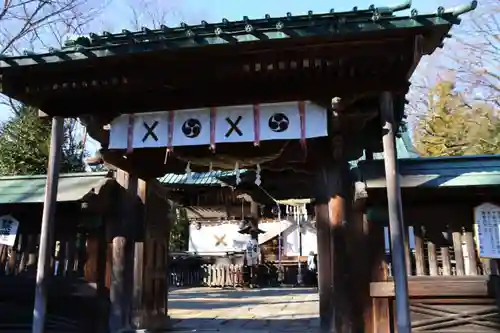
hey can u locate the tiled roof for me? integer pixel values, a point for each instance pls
(356, 21)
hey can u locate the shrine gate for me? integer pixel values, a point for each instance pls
(293, 98)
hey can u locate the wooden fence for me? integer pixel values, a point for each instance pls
(18, 265)
(451, 289)
(446, 253)
(68, 256)
(212, 275)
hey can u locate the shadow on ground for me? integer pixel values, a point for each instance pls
(183, 293)
(260, 310)
(306, 325)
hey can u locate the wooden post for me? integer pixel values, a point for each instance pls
(379, 272)
(327, 322)
(470, 251)
(150, 287)
(361, 261)
(456, 235)
(120, 293)
(396, 223)
(419, 250)
(445, 259)
(432, 257)
(11, 263)
(139, 265)
(46, 234)
(408, 255)
(333, 279)
(255, 214)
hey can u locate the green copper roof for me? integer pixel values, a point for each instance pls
(331, 24)
(404, 149)
(31, 189)
(434, 172)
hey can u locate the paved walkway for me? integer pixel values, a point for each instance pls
(242, 311)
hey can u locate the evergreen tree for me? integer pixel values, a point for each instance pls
(25, 145)
(454, 128)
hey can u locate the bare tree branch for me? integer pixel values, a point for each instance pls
(40, 24)
(475, 53)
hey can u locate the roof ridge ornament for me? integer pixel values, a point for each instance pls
(391, 9)
(461, 9)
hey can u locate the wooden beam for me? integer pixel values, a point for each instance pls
(158, 98)
(215, 64)
(438, 286)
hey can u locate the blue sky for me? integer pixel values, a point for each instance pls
(119, 14)
(232, 10)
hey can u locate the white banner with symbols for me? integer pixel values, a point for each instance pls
(8, 230)
(209, 126)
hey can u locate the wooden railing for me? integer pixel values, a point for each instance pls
(68, 256)
(446, 253)
(450, 287)
(67, 290)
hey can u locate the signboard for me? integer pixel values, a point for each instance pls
(487, 219)
(8, 230)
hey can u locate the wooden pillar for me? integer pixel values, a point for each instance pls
(150, 291)
(122, 254)
(47, 230)
(360, 257)
(396, 223)
(333, 281)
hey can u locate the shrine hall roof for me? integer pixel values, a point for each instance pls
(367, 22)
